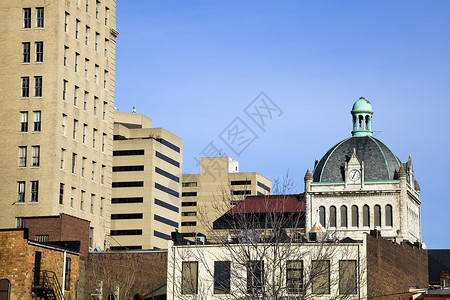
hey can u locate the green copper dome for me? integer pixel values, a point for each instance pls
(362, 118)
(362, 106)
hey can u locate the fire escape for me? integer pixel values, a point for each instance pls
(47, 286)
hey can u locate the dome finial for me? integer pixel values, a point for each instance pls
(362, 118)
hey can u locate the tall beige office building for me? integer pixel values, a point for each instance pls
(57, 94)
(147, 166)
(219, 186)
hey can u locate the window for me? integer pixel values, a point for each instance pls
(167, 159)
(27, 18)
(322, 216)
(366, 216)
(95, 105)
(35, 156)
(91, 234)
(167, 174)
(86, 95)
(61, 193)
(74, 163)
(343, 216)
(25, 87)
(22, 156)
(67, 274)
(105, 105)
(78, 3)
(84, 133)
(106, 15)
(64, 90)
(189, 184)
(26, 52)
(377, 216)
(34, 191)
(75, 95)
(39, 51)
(255, 273)
(97, 6)
(133, 168)
(82, 200)
(66, 49)
(94, 165)
(294, 276)
(320, 273)
(190, 223)
(355, 216)
(19, 223)
(75, 126)
(94, 138)
(87, 6)
(83, 167)
(21, 191)
(189, 277)
(106, 47)
(92, 203)
(63, 155)
(126, 232)
(388, 215)
(77, 29)
(134, 216)
(347, 277)
(86, 40)
(333, 216)
(63, 124)
(247, 192)
(23, 121)
(86, 67)
(103, 142)
(167, 190)
(189, 194)
(36, 121)
(39, 17)
(101, 206)
(77, 56)
(72, 197)
(102, 175)
(97, 35)
(125, 184)
(189, 204)
(189, 214)
(105, 79)
(222, 272)
(241, 182)
(66, 22)
(37, 86)
(128, 152)
(127, 200)
(96, 74)
(41, 238)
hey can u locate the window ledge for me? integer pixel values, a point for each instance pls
(19, 203)
(33, 202)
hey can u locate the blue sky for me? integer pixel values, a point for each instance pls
(194, 67)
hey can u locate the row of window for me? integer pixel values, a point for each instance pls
(189, 184)
(167, 159)
(241, 182)
(35, 156)
(167, 190)
(331, 221)
(294, 277)
(36, 121)
(87, 38)
(84, 133)
(25, 86)
(34, 191)
(74, 166)
(86, 68)
(39, 17)
(82, 200)
(39, 52)
(263, 186)
(76, 95)
(97, 10)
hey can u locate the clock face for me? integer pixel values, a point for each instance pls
(354, 175)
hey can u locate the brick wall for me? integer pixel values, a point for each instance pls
(393, 268)
(17, 257)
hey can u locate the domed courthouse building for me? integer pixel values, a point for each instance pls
(360, 184)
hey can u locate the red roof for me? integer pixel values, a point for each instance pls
(272, 203)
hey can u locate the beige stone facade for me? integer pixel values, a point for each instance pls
(57, 68)
(218, 187)
(146, 183)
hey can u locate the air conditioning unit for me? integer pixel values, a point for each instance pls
(200, 240)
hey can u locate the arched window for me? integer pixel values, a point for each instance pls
(343, 216)
(377, 215)
(333, 216)
(388, 215)
(355, 216)
(366, 216)
(322, 215)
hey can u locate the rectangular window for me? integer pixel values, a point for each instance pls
(102, 175)
(21, 191)
(77, 29)
(167, 174)
(86, 68)
(347, 277)
(94, 165)
(106, 15)
(37, 86)
(83, 167)
(86, 40)
(127, 200)
(63, 155)
(167, 159)
(97, 6)
(189, 277)
(25, 87)
(294, 276)
(166, 221)
(189, 204)
(127, 232)
(128, 152)
(35, 156)
(189, 214)
(19, 223)
(23, 121)
(39, 51)
(22, 156)
(75, 95)
(64, 90)
(66, 50)
(86, 95)
(27, 18)
(91, 234)
(103, 142)
(241, 182)
(94, 138)
(36, 121)
(189, 184)
(61, 193)
(34, 191)
(63, 124)
(126, 216)
(97, 36)
(82, 200)
(66, 22)
(87, 6)
(126, 184)
(105, 79)
(84, 133)
(167, 190)
(75, 126)
(39, 17)
(67, 274)
(41, 238)
(128, 168)
(74, 163)
(157, 202)
(96, 74)
(222, 273)
(95, 105)
(105, 105)
(26, 52)
(189, 194)
(255, 273)
(320, 273)
(92, 203)
(106, 47)
(77, 56)
(101, 206)
(72, 197)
